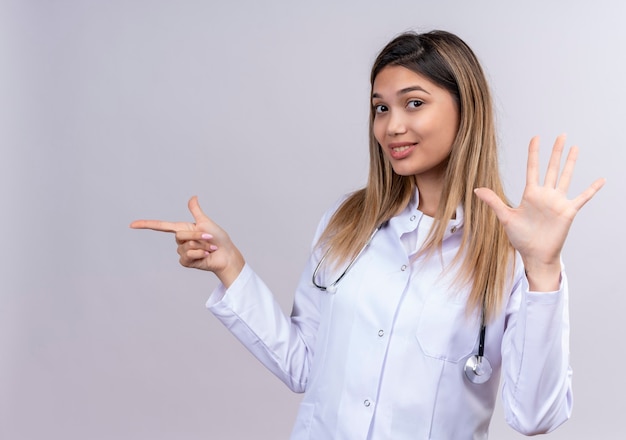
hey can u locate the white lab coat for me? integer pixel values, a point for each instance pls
(383, 357)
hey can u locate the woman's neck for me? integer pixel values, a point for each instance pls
(429, 194)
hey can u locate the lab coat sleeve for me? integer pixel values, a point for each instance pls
(536, 389)
(285, 345)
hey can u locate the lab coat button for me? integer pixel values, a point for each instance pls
(413, 218)
(403, 268)
(381, 333)
(367, 403)
(453, 230)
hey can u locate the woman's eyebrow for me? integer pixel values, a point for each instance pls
(412, 89)
(404, 91)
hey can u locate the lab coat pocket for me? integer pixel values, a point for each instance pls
(445, 331)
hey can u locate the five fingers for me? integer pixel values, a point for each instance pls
(552, 179)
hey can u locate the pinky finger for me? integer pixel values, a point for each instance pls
(588, 194)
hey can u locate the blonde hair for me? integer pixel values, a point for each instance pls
(485, 251)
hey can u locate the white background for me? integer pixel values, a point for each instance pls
(116, 110)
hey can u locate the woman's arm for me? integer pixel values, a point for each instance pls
(535, 346)
(536, 376)
(244, 304)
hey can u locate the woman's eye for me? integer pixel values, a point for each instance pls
(380, 108)
(415, 103)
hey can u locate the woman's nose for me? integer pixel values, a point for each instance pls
(397, 124)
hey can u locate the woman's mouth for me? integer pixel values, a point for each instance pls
(401, 150)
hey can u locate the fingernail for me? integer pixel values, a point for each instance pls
(207, 236)
(213, 247)
(206, 253)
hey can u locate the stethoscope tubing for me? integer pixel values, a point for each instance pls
(332, 287)
(477, 367)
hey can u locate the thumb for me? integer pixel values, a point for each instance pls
(493, 201)
(198, 215)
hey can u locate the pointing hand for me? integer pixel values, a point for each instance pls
(202, 244)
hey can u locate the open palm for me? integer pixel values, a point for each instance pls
(538, 227)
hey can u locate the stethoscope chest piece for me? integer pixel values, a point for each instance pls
(478, 369)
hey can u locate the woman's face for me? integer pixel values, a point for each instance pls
(415, 122)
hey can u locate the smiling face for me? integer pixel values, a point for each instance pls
(415, 123)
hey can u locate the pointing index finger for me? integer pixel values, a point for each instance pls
(158, 225)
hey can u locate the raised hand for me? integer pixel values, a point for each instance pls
(538, 227)
(202, 244)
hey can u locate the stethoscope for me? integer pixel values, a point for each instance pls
(477, 367)
(332, 287)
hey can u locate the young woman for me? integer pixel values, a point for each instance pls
(424, 288)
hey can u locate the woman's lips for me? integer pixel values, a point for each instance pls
(400, 150)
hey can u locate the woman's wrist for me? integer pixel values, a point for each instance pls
(543, 277)
(229, 274)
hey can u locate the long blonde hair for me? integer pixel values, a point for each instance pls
(485, 252)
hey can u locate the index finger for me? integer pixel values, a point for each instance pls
(158, 225)
(532, 165)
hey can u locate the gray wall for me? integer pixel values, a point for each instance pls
(117, 110)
